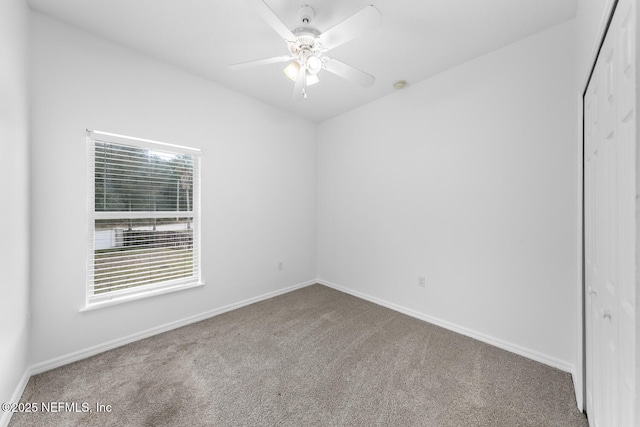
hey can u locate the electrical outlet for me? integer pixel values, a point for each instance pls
(281, 265)
(422, 281)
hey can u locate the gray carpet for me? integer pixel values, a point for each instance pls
(311, 357)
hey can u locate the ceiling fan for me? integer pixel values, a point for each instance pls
(307, 46)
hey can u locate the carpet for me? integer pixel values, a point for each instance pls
(311, 357)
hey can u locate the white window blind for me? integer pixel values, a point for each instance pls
(144, 217)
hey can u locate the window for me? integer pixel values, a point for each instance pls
(144, 218)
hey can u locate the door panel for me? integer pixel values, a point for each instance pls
(610, 194)
(626, 112)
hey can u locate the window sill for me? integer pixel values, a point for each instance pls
(143, 295)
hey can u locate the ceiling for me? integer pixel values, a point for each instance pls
(417, 39)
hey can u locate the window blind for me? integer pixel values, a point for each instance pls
(144, 216)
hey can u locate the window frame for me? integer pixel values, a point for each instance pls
(92, 300)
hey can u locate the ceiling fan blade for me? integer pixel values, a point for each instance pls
(347, 72)
(259, 62)
(352, 27)
(272, 19)
(299, 89)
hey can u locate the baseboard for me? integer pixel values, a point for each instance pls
(92, 351)
(505, 345)
(578, 391)
(15, 398)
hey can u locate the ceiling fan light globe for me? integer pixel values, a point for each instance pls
(292, 70)
(314, 64)
(311, 79)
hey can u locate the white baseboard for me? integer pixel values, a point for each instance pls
(577, 387)
(15, 398)
(505, 345)
(92, 351)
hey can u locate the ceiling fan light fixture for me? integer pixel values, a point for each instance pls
(292, 70)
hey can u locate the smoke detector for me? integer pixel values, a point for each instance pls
(399, 84)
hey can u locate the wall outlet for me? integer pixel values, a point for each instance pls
(422, 281)
(281, 265)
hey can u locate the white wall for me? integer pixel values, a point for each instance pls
(14, 181)
(469, 179)
(258, 192)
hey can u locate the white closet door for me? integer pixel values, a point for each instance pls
(610, 227)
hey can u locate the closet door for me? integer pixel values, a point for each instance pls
(610, 227)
